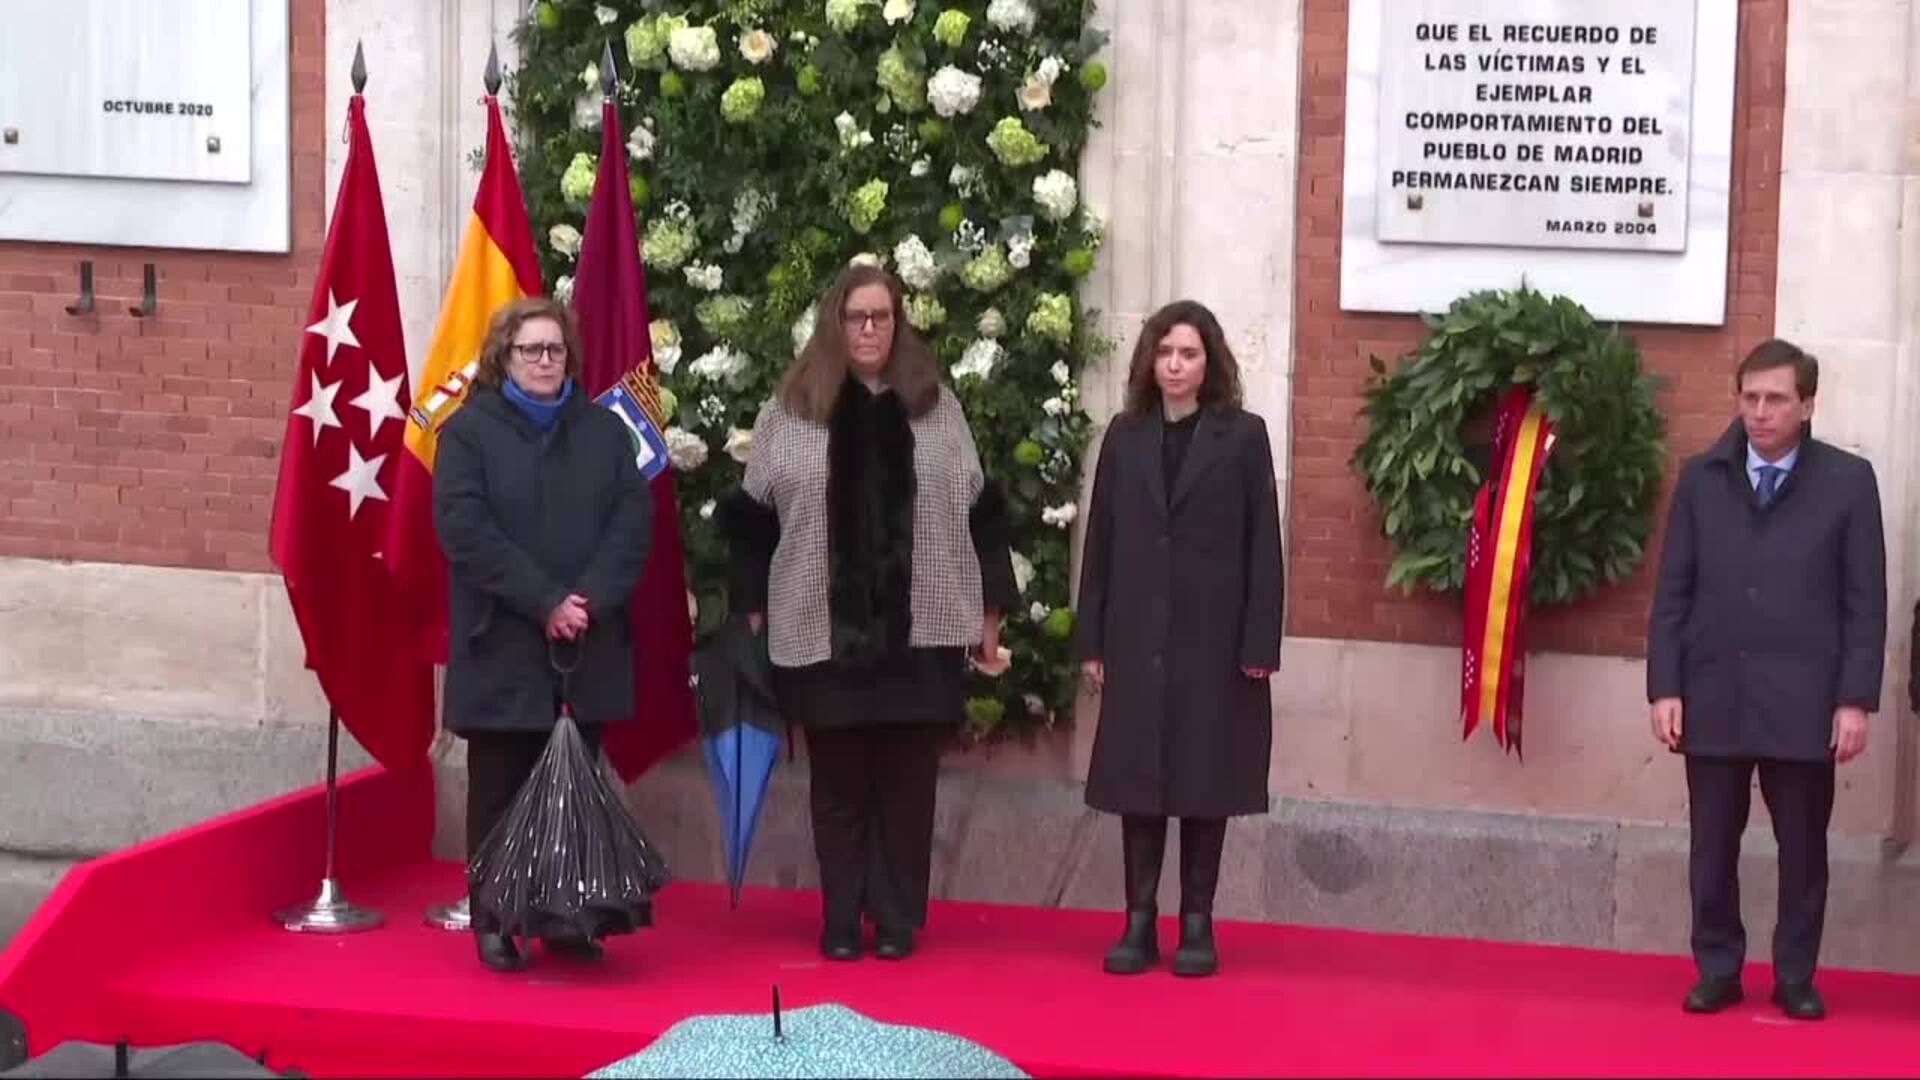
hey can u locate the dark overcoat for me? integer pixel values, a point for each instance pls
(1179, 591)
(1767, 619)
(527, 517)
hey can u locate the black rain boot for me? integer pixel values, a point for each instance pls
(1201, 842)
(1143, 843)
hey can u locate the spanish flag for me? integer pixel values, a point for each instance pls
(497, 266)
(1500, 571)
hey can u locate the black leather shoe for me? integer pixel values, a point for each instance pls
(577, 948)
(888, 945)
(1138, 949)
(1196, 955)
(1800, 1001)
(1714, 994)
(840, 946)
(498, 953)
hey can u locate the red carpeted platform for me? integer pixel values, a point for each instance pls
(409, 1000)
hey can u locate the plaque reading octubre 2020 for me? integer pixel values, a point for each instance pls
(1536, 123)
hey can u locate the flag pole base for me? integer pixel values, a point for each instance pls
(329, 913)
(457, 916)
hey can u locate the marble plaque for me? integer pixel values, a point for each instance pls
(127, 88)
(1382, 269)
(1555, 124)
(147, 123)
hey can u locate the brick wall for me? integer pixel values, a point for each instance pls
(156, 440)
(1339, 560)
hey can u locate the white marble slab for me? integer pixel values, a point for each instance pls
(254, 216)
(1689, 287)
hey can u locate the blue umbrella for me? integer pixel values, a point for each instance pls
(820, 1041)
(739, 735)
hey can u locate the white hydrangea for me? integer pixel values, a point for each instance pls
(694, 48)
(1051, 69)
(868, 258)
(1039, 612)
(915, 262)
(564, 239)
(979, 359)
(687, 450)
(1011, 15)
(590, 76)
(920, 167)
(640, 140)
(563, 289)
(586, 111)
(605, 15)
(803, 330)
(706, 510)
(897, 11)
(1022, 571)
(953, 92)
(750, 208)
(1060, 516)
(720, 364)
(964, 180)
(852, 135)
(1053, 406)
(991, 323)
(666, 344)
(1060, 373)
(1057, 194)
(739, 445)
(704, 276)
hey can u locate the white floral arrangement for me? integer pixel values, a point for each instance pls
(772, 143)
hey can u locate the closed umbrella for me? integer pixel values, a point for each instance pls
(739, 736)
(567, 860)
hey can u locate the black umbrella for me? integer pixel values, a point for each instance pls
(197, 1059)
(567, 860)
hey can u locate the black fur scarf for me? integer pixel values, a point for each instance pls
(870, 496)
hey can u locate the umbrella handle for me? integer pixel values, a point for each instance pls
(565, 670)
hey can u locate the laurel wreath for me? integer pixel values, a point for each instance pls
(1428, 448)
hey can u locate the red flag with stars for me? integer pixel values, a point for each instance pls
(345, 436)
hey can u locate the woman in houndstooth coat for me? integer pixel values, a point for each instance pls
(873, 552)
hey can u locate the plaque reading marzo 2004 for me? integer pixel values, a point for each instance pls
(1536, 123)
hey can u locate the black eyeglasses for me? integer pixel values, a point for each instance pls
(860, 320)
(535, 351)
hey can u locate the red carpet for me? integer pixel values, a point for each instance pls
(409, 1000)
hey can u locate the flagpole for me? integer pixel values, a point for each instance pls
(457, 916)
(330, 912)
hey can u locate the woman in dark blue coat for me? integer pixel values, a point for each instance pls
(539, 505)
(1180, 622)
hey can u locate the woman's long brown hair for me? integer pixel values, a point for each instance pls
(1222, 383)
(813, 382)
(507, 323)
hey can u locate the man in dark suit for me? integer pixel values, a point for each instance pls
(1766, 645)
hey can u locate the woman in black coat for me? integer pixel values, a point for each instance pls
(545, 522)
(1180, 601)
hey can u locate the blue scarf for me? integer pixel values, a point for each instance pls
(544, 414)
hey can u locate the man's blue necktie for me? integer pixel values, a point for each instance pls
(1770, 483)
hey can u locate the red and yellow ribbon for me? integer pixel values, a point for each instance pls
(1499, 565)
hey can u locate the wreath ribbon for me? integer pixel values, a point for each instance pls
(1499, 564)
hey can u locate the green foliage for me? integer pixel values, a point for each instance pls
(1423, 463)
(808, 143)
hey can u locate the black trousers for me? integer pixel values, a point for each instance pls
(872, 794)
(1799, 798)
(498, 764)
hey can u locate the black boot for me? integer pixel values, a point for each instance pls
(1201, 842)
(1143, 842)
(498, 953)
